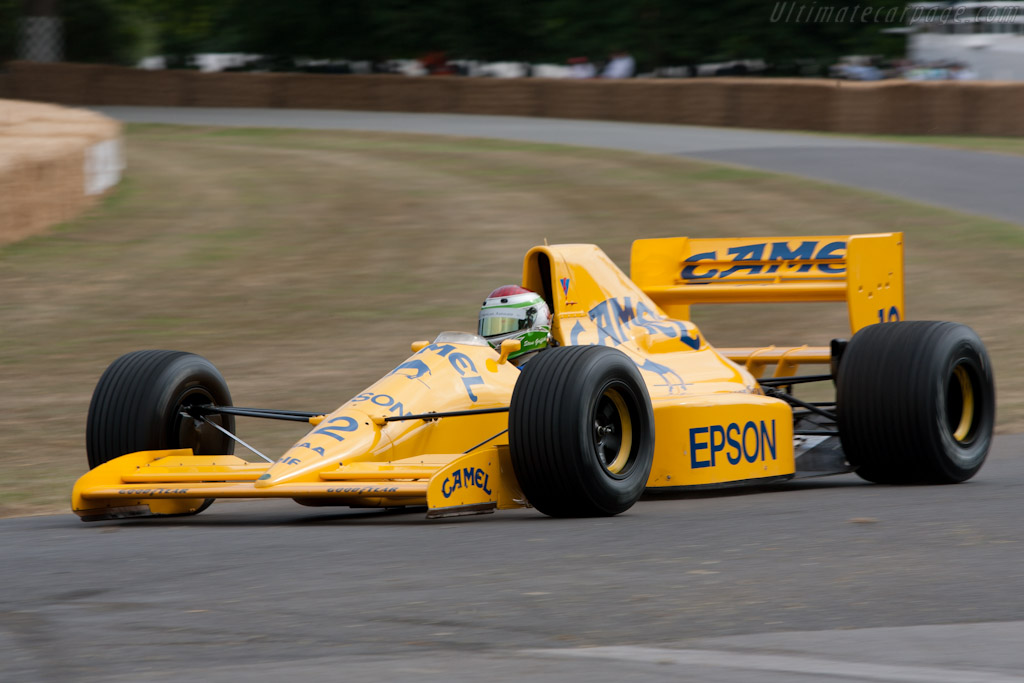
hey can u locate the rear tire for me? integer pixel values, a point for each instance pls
(915, 402)
(581, 432)
(137, 405)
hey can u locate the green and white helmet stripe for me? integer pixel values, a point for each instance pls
(512, 312)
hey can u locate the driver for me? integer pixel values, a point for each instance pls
(512, 312)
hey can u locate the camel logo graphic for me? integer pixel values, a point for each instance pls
(670, 377)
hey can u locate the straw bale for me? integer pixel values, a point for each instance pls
(572, 99)
(648, 101)
(945, 108)
(43, 150)
(901, 108)
(237, 90)
(329, 91)
(61, 83)
(780, 104)
(127, 86)
(791, 104)
(429, 94)
(55, 130)
(996, 108)
(857, 108)
(506, 96)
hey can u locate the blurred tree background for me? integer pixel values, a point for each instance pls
(656, 32)
(10, 10)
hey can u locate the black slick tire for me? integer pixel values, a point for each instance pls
(581, 432)
(915, 403)
(137, 405)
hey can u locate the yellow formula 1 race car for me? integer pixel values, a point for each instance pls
(630, 398)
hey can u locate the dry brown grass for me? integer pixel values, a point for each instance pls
(303, 263)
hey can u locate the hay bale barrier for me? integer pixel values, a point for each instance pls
(54, 162)
(812, 104)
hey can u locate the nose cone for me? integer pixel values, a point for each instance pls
(343, 434)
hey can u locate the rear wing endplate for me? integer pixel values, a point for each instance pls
(865, 271)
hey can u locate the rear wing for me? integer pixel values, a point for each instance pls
(865, 271)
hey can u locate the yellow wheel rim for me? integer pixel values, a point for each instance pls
(963, 429)
(620, 457)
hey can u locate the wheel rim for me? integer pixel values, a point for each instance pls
(613, 432)
(193, 433)
(960, 404)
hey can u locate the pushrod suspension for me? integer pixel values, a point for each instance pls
(793, 400)
(786, 381)
(264, 413)
(451, 413)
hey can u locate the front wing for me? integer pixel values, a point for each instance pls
(176, 482)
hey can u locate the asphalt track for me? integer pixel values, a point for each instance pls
(821, 580)
(827, 580)
(974, 182)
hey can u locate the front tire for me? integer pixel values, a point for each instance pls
(581, 432)
(137, 406)
(915, 402)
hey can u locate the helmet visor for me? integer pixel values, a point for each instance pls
(491, 326)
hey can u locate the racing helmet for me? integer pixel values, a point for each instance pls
(512, 312)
